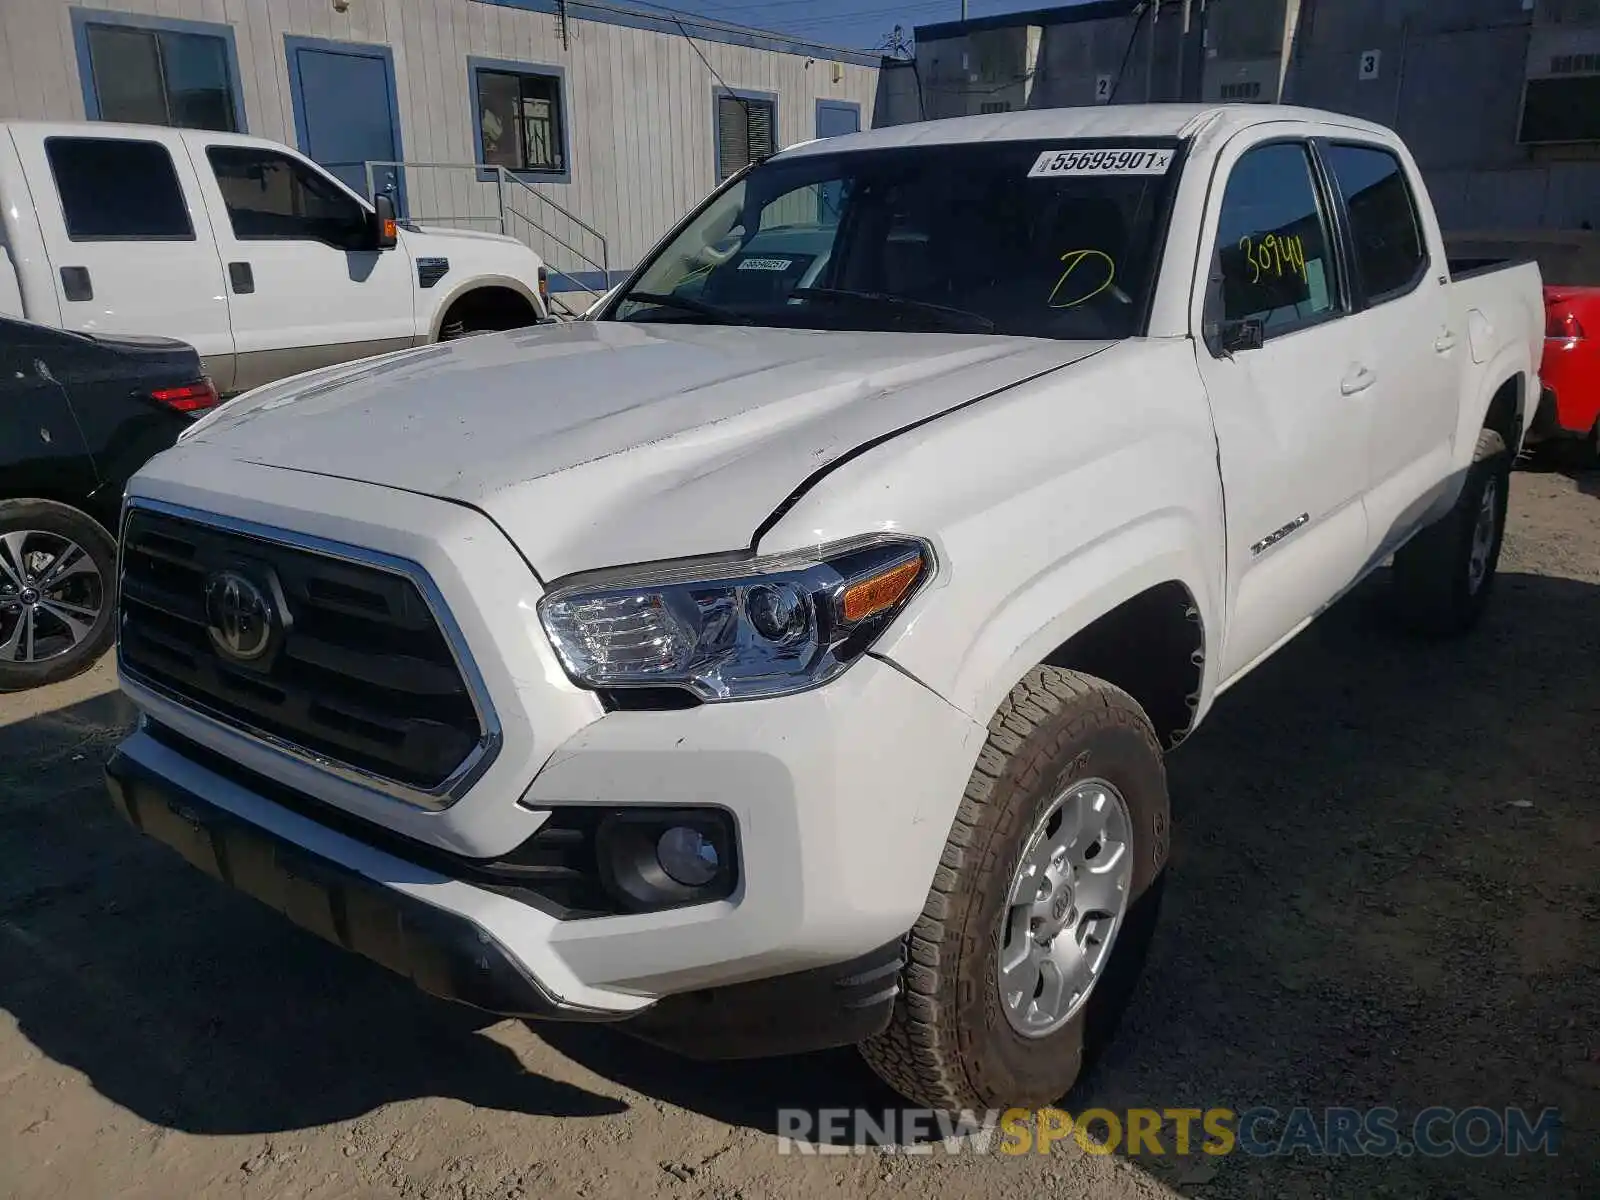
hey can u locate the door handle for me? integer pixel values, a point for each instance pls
(1359, 380)
(1446, 342)
(76, 284)
(242, 278)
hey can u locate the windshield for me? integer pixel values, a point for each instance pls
(1041, 239)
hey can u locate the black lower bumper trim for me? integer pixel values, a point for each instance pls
(442, 953)
(836, 1005)
(452, 957)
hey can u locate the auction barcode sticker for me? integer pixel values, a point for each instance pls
(1101, 162)
(766, 264)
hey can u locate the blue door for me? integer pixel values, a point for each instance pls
(345, 110)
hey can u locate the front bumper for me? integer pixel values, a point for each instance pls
(454, 957)
(842, 796)
(444, 953)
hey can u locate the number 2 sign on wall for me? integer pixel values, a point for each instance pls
(1369, 64)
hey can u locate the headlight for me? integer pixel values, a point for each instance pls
(730, 630)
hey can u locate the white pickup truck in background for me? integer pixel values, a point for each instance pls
(256, 256)
(793, 665)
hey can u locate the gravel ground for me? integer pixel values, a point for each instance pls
(1385, 891)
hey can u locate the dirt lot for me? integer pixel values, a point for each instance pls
(1386, 891)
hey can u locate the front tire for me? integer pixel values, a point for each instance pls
(1444, 575)
(57, 581)
(1042, 907)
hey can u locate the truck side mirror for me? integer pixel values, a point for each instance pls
(385, 232)
(1248, 334)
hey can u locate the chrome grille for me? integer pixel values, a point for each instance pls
(356, 673)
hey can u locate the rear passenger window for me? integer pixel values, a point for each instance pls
(1273, 261)
(112, 189)
(1383, 219)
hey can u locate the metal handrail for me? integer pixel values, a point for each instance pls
(504, 175)
(571, 249)
(571, 216)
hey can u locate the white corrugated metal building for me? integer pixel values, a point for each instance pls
(609, 122)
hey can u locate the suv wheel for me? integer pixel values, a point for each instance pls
(1443, 576)
(1043, 905)
(57, 572)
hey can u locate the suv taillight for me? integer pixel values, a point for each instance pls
(1563, 326)
(190, 398)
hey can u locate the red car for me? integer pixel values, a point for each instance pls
(1570, 405)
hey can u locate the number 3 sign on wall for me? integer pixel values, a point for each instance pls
(1369, 64)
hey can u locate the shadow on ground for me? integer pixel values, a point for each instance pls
(1575, 460)
(194, 1007)
(1385, 891)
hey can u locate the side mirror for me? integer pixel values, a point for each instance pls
(1249, 334)
(385, 232)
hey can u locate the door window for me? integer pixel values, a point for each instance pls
(1384, 226)
(1274, 259)
(113, 189)
(271, 196)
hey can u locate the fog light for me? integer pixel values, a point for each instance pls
(688, 856)
(652, 858)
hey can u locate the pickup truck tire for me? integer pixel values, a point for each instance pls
(57, 583)
(1444, 575)
(951, 1042)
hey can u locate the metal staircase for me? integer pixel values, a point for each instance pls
(483, 196)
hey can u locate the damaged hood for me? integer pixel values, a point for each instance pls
(596, 444)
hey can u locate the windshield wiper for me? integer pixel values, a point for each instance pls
(698, 307)
(958, 317)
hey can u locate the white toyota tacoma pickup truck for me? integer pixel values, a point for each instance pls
(263, 261)
(784, 656)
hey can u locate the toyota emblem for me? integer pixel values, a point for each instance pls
(238, 616)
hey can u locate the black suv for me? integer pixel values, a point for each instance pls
(79, 414)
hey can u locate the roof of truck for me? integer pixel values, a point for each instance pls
(124, 129)
(1100, 121)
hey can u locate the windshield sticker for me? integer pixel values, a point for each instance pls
(1088, 273)
(1054, 163)
(766, 264)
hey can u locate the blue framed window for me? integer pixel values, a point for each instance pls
(746, 128)
(519, 117)
(158, 71)
(836, 117)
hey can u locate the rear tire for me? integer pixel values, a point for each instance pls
(57, 592)
(1443, 577)
(958, 1037)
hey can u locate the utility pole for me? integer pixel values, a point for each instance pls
(963, 10)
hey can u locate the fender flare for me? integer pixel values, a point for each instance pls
(1510, 365)
(475, 283)
(1073, 593)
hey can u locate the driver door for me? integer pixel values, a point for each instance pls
(301, 292)
(1287, 374)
